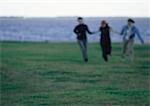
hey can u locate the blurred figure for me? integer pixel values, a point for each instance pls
(80, 30)
(129, 31)
(105, 40)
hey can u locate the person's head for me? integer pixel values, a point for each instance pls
(130, 22)
(80, 20)
(103, 23)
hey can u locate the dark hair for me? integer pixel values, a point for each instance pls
(103, 22)
(80, 18)
(131, 20)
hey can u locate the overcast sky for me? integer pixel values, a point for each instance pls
(52, 8)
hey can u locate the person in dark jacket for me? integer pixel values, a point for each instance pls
(80, 30)
(105, 41)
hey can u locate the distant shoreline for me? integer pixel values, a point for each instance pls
(22, 17)
(60, 29)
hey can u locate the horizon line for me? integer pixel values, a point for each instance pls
(13, 16)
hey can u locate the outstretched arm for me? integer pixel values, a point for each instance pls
(122, 31)
(87, 29)
(97, 31)
(139, 36)
(114, 31)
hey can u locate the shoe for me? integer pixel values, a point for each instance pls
(85, 60)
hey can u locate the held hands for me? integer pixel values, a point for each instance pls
(114, 31)
(95, 32)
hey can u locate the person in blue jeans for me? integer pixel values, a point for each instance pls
(129, 31)
(80, 30)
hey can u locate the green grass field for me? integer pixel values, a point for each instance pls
(53, 74)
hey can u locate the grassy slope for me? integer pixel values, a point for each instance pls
(49, 74)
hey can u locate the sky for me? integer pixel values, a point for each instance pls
(86, 8)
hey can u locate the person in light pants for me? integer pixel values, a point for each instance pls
(129, 31)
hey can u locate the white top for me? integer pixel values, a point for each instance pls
(128, 33)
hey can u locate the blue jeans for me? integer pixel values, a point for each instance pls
(83, 47)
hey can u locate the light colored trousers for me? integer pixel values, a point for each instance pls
(83, 47)
(128, 48)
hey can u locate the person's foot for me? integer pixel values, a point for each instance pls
(85, 60)
(106, 60)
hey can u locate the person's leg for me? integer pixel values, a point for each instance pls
(130, 49)
(104, 52)
(105, 57)
(83, 50)
(109, 48)
(125, 44)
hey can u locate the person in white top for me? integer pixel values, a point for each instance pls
(129, 31)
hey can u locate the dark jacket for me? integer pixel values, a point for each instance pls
(81, 30)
